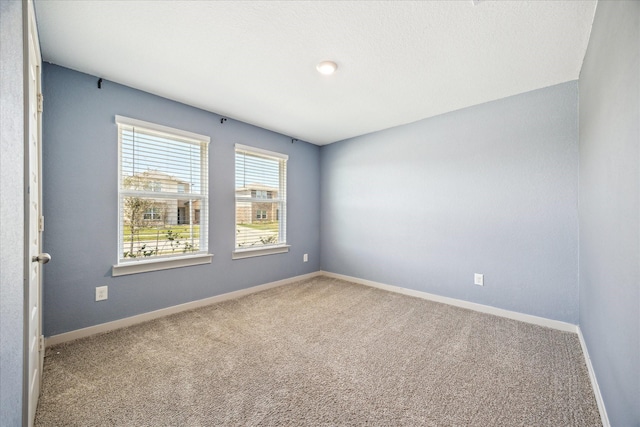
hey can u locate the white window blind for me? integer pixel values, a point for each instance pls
(261, 198)
(162, 192)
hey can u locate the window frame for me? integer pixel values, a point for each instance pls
(281, 202)
(126, 266)
(154, 213)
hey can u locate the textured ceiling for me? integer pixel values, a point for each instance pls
(398, 61)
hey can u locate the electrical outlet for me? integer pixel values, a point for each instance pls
(305, 257)
(102, 293)
(478, 279)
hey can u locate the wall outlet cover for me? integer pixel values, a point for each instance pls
(102, 293)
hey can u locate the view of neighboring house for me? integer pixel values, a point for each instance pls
(176, 211)
(252, 211)
(163, 210)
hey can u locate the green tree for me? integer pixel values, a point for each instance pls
(134, 210)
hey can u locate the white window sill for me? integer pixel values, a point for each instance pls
(146, 265)
(253, 252)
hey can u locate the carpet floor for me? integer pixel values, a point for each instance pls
(320, 352)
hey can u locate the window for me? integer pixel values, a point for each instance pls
(153, 214)
(261, 202)
(160, 224)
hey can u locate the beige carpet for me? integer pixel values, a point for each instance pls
(321, 352)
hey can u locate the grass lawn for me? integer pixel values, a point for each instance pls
(150, 233)
(264, 226)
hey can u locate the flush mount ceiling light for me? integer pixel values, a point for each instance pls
(327, 67)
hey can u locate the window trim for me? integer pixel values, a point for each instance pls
(242, 253)
(145, 265)
(242, 147)
(141, 265)
(194, 137)
(253, 252)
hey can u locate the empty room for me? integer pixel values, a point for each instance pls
(265, 213)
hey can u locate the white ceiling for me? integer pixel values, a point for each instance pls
(254, 61)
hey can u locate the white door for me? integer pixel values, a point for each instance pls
(35, 221)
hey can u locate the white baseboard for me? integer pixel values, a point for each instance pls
(528, 318)
(128, 321)
(594, 381)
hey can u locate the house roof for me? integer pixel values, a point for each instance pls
(258, 187)
(156, 174)
(255, 61)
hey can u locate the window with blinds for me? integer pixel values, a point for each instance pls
(162, 192)
(261, 202)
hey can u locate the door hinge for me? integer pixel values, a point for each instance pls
(40, 103)
(41, 223)
(41, 343)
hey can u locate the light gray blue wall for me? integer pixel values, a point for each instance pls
(490, 189)
(11, 212)
(80, 204)
(609, 207)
